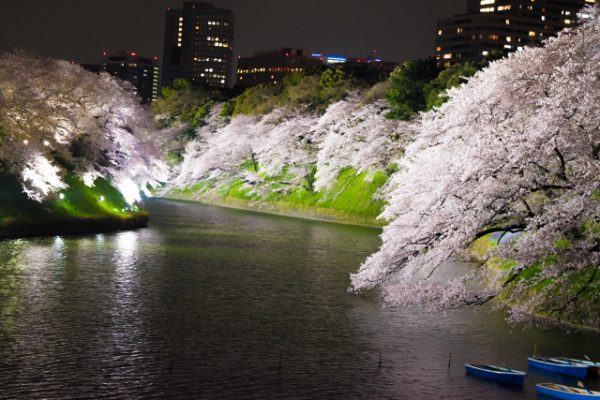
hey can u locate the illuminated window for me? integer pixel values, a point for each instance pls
(532, 34)
(440, 32)
(486, 9)
(447, 56)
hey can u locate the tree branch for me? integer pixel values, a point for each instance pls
(563, 166)
(510, 228)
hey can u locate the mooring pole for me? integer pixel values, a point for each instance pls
(279, 366)
(449, 359)
(379, 363)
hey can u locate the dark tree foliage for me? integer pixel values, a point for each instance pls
(420, 86)
(183, 102)
(406, 95)
(450, 77)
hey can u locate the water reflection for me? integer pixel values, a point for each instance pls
(126, 254)
(213, 303)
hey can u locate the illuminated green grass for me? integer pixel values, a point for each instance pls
(349, 199)
(76, 209)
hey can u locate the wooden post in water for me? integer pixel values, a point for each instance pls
(449, 359)
(534, 349)
(379, 363)
(279, 366)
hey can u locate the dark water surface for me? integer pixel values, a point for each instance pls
(215, 303)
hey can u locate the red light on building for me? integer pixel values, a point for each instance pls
(133, 54)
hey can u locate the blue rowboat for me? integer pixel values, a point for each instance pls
(592, 365)
(566, 392)
(559, 366)
(499, 374)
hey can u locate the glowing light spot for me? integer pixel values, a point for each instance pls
(129, 190)
(46, 143)
(61, 196)
(101, 198)
(25, 142)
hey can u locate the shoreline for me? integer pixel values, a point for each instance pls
(320, 215)
(65, 226)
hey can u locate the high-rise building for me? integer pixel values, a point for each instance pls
(142, 72)
(199, 45)
(501, 26)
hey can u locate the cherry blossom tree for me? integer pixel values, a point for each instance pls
(57, 118)
(515, 150)
(293, 143)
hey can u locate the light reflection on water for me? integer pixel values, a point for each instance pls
(214, 303)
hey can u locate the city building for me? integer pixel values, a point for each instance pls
(142, 72)
(199, 45)
(371, 63)
(272, 66)
(501, 26)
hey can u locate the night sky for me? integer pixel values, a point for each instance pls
(79, 30)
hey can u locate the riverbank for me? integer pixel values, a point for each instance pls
(58, 226)
(497, 270)
(350, 200)
(77, 210)
(315, 214)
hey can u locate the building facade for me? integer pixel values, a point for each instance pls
(199, 45)
(270, 67)
(273, 66)
(142, 72)
(501, 26)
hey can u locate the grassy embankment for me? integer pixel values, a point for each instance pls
(349, 200)
(80, 210)
(584, 285)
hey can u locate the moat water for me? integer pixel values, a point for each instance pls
(212, 303)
